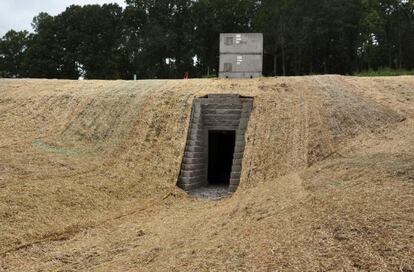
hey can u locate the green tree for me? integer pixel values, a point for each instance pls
(274, 19)
(161, 33)
(80, 41)
(13, 46)
(46, 52)
(372, 28)
(94, 38)
(310, 36)
(132, 43)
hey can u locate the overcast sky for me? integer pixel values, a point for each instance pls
(18, 14)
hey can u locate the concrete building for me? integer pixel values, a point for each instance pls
(241, 55)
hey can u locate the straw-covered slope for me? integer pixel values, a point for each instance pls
(88, 172)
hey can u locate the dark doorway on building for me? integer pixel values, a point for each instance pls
(220, 156)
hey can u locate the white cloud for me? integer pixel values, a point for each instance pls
(18, 14)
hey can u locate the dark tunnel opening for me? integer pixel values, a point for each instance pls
(220, 156)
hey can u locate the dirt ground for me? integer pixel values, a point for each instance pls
(88, 172)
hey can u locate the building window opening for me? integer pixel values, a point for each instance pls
(229, 41)
(228, 67)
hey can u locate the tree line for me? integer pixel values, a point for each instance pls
(167, 38)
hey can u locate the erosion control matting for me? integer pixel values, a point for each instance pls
(88, 173)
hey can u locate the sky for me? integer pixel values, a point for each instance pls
(18, 14)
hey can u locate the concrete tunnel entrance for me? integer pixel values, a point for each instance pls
(213, 155)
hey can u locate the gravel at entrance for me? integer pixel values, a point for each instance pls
(211, 192)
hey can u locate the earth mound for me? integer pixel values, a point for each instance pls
(88, 173)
